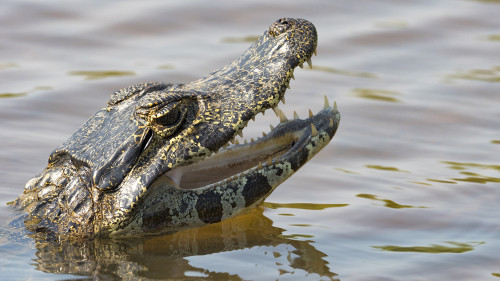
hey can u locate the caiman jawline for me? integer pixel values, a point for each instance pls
(233, 160)
(236, 160)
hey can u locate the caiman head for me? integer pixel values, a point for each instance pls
(161, 157)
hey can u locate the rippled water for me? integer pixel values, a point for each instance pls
(407, 190)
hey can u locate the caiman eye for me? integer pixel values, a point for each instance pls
(168, 119)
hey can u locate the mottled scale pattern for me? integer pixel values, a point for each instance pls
(123, 172)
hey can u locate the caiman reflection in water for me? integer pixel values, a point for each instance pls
(166, 256)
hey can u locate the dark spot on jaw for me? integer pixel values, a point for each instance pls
(209, 208)
(256, 187)
(155, 221)
(279, 171)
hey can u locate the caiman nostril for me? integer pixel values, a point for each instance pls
(279, 27)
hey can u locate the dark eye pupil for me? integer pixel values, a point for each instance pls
(170, 118)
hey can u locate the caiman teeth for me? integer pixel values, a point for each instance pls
(276, 109)
(309, 62)
(282, 116)
(327, 104)
(271, 160)
(314, 131)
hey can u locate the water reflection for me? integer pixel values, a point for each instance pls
(442, 181)
(93, 75)
(473, 176)
(385, 168)
(166, 66)
(5, 65)
(246, 39)
(303, 206)
(12, 95)
(391, 24)
(22, 94)
(494, 37)
(387, 203)
(486, 75)
(344, 72)
(489, 1)
(376, 94)
(168, 256)
(452, 247)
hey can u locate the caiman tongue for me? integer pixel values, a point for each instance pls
(109, 151)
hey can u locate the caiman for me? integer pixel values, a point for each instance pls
(162, 156)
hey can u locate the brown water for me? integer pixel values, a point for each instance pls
(408, 189)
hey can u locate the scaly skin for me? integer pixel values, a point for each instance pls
(156, 159)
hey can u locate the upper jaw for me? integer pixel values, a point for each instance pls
(216, 85)
(261, 99)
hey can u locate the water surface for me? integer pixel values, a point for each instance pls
(408, 189)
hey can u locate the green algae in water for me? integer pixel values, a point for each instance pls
(377, 94)
(452, 247)
(475, 177)
(485, 75)
(12, 95)
(442, 181)
(385, 168)
(388, 203)
(22, 94)
(94, 75)
(6, 65)
(343, 72)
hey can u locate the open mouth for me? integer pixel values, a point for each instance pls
(236, 160)
(280, 144)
